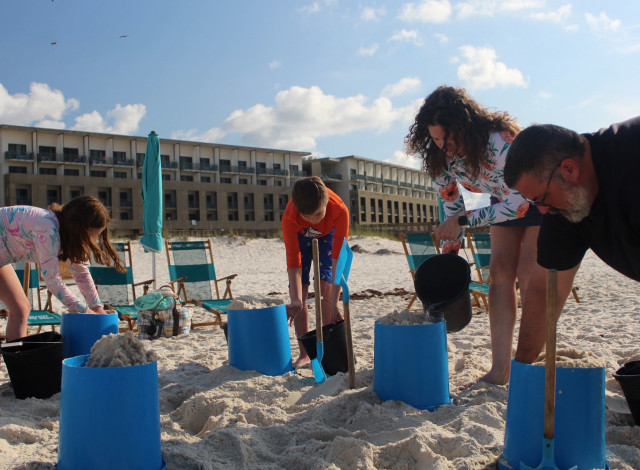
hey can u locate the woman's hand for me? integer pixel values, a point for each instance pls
(448, 230)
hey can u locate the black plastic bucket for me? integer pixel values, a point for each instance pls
(335, 357)
(628, 376)
(442, 284)
(35, 369)
(224, 327)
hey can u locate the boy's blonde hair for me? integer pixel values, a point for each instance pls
(309, 194)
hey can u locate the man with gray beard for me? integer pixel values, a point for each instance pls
(587, 188)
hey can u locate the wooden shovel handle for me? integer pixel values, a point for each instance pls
(550, 363)
(316, 287)
(350, 356)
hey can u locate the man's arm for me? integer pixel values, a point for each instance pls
(532, 325)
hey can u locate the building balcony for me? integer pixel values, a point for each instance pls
(298, 173)
(18, 156)
(332, 176)
(271, 172)
(405, 185)
(126, 203)
(169, 165)
(67, 158)
(100, 161)
(126, 162)
(47, 157)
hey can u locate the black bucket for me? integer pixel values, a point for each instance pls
(442, 284)
(224, 327)
(335, 357)
(35, 369)
(628, 376)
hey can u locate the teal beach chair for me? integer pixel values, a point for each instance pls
(191, 267)
(418, 247)
(30, 279)
(118, 290)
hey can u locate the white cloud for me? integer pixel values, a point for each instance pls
(41, 104)
(120, 120)
(368, 51)
(401, 158)
(480, 69)
(560, 15)
(545, 95)
(602, 23)
(405, 85)
(441, 38)
(274, 64)
(427, 11)
(302, 115)
(405, 35)
(372, 14)
(315, 7)
(493, 7)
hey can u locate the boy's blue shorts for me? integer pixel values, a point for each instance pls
(325, 248)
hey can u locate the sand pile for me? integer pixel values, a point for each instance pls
(120, 350)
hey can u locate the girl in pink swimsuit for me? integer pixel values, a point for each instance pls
(74, 233)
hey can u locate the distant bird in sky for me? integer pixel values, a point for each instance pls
(53, 43)
(123, 36)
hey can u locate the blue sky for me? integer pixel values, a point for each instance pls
(331, 77)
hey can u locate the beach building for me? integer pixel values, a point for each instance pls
(208, 187)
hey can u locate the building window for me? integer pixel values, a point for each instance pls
(17, 150)
(262, 182)
(212, 216)
(194, 215)
(74, 193)
(277, 183)
(71, 172)
(205, 179)
(98, 174)
(186, 178)
(186, 163)
(53, 195)
(243, 181)
(211, 199)
(47, 171)
(23, 197)
(225, 165)
(165, 177)
(119, 174)
(47, 153)
(225, 180)
(17, 169)
(124, 216)
(120, 158)
(97, 156)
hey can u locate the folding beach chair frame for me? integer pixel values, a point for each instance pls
(40, 317)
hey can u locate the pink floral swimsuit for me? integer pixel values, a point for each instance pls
(511, 203)
(31, 234)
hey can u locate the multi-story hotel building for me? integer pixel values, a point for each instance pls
(207, 187)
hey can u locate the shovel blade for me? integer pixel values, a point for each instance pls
(316, 364)
(548, 458)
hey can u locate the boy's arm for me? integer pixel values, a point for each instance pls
(295, 292)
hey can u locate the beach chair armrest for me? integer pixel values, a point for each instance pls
(231, 276)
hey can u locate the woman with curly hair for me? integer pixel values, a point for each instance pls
(74, 233)
(460, 141)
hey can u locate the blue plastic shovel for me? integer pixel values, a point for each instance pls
(316, 363)
(548, 445)
(343, 266)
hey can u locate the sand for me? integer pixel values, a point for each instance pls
(214, 416)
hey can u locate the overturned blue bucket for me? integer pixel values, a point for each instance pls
(259, 340)
(109, 417)
(82, 330)
(410, 364)
(579, 435)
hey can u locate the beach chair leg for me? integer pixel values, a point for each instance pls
(413, 299)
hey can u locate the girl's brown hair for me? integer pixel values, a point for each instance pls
(76, 218)
(464, 120)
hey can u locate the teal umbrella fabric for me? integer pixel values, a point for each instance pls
(152, 196)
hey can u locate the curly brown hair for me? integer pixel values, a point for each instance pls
(76, 218)
(462, 119)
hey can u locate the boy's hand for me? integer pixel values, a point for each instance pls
(293, 309)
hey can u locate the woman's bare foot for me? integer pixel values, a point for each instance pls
(301, 361)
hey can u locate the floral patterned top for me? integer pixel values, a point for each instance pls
(32, 234)
(511, 203)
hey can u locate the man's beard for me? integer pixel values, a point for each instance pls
(578, 204)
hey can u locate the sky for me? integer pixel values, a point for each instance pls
(330, 77)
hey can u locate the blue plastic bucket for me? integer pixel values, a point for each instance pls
(410, 364)
(579, 435)
(109, 417)
(82, 330)
(259, 340)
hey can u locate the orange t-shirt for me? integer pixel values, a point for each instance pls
(337, 216)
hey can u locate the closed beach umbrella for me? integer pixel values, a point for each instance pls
(152, 197)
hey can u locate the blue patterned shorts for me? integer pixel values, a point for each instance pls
(325, 248)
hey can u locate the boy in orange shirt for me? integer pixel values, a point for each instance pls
(314, 211)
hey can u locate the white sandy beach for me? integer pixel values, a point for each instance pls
(214, 416)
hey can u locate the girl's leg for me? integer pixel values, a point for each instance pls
(505, 253)
(12, 295)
